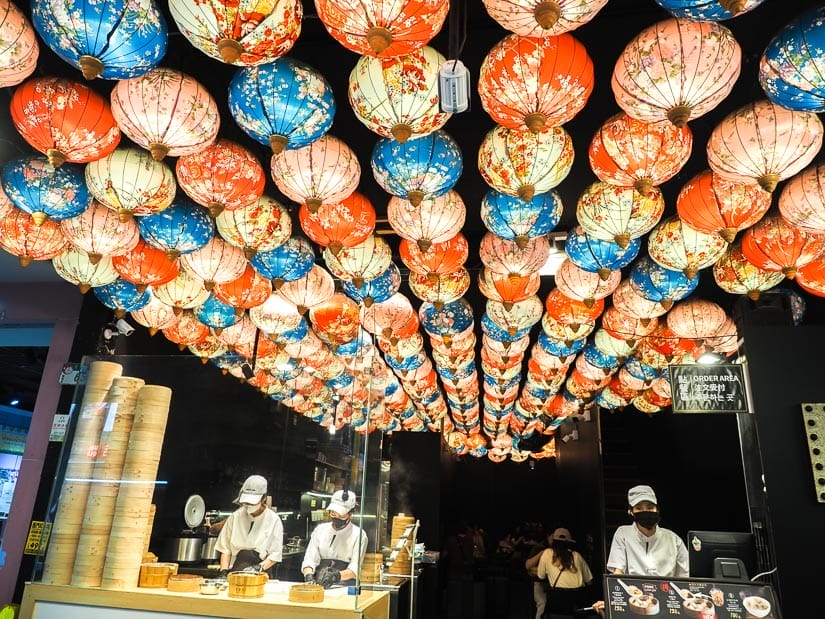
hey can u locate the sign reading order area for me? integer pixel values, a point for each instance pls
(714, 388)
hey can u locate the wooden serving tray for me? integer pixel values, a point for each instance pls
(184, 583)
(306, 593)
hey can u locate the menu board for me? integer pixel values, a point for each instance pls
(632, 596)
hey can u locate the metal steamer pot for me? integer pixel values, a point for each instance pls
(209, 552)
(187, 548)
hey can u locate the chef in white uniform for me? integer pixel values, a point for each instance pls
(336, 548)
(252, 537)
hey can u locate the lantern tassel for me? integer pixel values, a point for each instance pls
(90, 66)
(230, 50)
(56, 157)
(379, 39)
(547, 14)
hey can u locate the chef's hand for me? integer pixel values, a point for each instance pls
(223, 573)
(257, 568)
(329, 578)
(309, 578)
(599, 607)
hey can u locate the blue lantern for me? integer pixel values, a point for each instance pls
(285, 263)
(656, 283)
(342, 381)
(595, 357)
(453, 317)
(122, 296)
(375, 290)
(35, 186)
(704, 10)
(492, 330)
(359, 346)
(283, 104)
(456, 373)
(597, 256)
(228, 360)
(420, 168)
(640, 370)
(559, 348)
(181, 228)
(293, 336)
(791, 69)
(519, 220)
(407, 364)
(216, 314)
(111, 39)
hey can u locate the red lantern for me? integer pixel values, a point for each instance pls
(22, 237)
(249, 290)
(342, 224)
(146, 266)
(64, 120)
(439, 259)
(774, 245)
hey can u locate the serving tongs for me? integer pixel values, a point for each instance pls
(627, 589)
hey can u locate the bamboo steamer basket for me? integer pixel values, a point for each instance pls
(246, 585)
(156, 575)
(402, 564)
(68, 520)
(371, 567)
(184, 583)
(306, 593)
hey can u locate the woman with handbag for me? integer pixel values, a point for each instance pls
(566, 574)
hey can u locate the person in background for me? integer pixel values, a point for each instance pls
(532, 566)
(644, 548)
(336, 548)
(252, 537)
(566, 573)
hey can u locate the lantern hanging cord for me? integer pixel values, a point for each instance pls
(457, 29)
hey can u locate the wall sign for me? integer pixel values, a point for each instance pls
(715, 388)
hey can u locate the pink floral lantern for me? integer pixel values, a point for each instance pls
(166, 112)
(678, 247)
(246, 340)
(187, 330)
(802, 201)
(130, 182)
(224, 175)
(19, 50)
(74, 266)
(626, 327)
(528, 83)
(507, 258)
(389, 318)
(100, 232)
(22, 237)
(775, 245)
(240, 33)
(523, 164)
(155, 316)
(217, 262)
(308, 291)
(585, 286)
(558, 330)
(184, 292)
(261, 225)
(735, 274)
(677, 70)
(377, 28)
(242, 332)
(275, 315)
(532, 18)
(765, 143)
(398, 97)
(696, 319)
(64, 120)
(434, 220)
(441, 289)
(208, 348)
(712, 204)
(626, 151)
(360, 262)
(323, 172)
(629, 302)
(613, 213)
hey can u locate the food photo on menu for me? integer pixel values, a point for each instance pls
(629, 596)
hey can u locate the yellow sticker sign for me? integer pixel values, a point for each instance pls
(38, 537)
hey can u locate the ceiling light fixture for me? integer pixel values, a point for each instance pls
(557, 254)
(709, 357)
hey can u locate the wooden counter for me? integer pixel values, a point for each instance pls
(41, 601)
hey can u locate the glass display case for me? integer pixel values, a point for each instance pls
(177, 475)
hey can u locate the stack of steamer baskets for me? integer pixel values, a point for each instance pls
(403, 558)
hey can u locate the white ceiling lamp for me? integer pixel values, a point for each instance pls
(557, 254)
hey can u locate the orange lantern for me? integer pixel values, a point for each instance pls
(22, 237)
(342, 224)
(439, 259)
(765, 143)
(337, 319)
(377, 28)
(626, 151)
(187, 330)
(249, 290)
(570, 311)
(64, 120)
(146, 266)
(499, 287)
(677, 70)
(775, 245)
(530, 83)
(712, 204)
(224, 175)
(811, 277)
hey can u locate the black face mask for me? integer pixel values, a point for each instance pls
(646, 519)
(339, 523)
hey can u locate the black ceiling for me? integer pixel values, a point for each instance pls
(604, 38)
